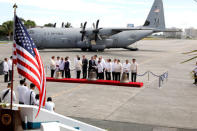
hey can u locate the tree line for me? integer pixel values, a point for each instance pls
(6, 29)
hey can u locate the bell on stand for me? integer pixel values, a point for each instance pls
(58, 75)
(124, 78)
(92, 75)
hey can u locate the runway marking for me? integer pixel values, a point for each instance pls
(67, 91)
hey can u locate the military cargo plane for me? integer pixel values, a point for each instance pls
(98, 39)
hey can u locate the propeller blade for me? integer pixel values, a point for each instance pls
(93, 25)
(83, 32)
(62, 24)
(82, 37)
(54, 25)
(84, 26)
(81, 25)
(97, 23)
(99, 36)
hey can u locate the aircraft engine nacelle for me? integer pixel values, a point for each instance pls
(98, 47)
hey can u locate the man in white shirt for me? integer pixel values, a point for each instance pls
(22, 89)
(100, 70)
(102, 61)
(75, 62)
(57, 62)
(78, 67)
(10, 68)
(49, 105)
(30, 96)
(195, 74)
(6, 95)
(126, 68)
(113, 69)
(108, 69)
(61, 66)
(134, 69)
(5, 69)
(52, 65)
(118, 70)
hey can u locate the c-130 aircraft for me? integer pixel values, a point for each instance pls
(98, 39)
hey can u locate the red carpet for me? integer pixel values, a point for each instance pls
(100, 82)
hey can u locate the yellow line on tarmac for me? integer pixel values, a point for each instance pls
(66, 91)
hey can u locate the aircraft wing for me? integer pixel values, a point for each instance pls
(118, 30)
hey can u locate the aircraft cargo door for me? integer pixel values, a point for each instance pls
(115, 43)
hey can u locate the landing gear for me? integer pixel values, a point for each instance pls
(131, 49)
(101, 50)
(91, 50)
(84, 49)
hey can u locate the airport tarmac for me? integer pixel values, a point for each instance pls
(170, 108)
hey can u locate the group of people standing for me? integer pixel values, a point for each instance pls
(26, 96)
(105, 69)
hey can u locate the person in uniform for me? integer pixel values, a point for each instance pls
(134, 68)
(6, 95)
(108, 69)
(195, 74)
(78, 67)
(126, 68)
(61, 66)
(49, 105)
(5, 69)
(113, 69)
(118, 70)
(10, 68)
(22, 89)
(84, 66)
(52, 66)
(100, 70)
(30, 96)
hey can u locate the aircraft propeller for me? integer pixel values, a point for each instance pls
(96, 31)
(54, 25)
(83, 32)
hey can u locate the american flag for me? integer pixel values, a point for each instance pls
(28, 60)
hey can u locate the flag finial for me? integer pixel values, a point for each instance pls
(15, 6)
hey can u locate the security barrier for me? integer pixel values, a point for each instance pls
(161, 77)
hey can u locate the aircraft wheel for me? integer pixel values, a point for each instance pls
(84, 49)
(91, 50)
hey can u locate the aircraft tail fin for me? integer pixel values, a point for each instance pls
(156, 17)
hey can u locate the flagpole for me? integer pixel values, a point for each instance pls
(12, 81)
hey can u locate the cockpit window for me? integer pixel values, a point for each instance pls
(31, 32)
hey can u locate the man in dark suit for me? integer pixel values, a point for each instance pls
(67, 68)
(92, 65)
(84, 66)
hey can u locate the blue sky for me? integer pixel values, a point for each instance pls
(112, 13)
